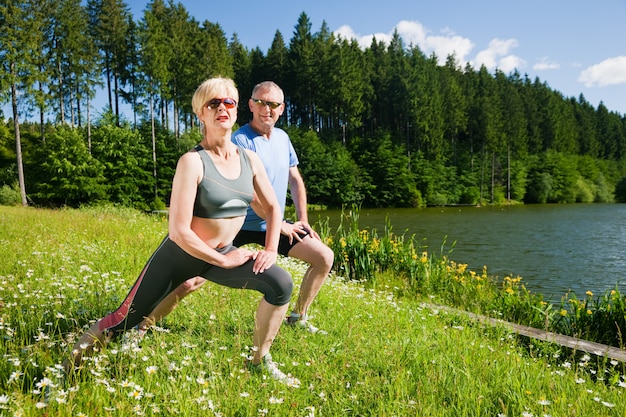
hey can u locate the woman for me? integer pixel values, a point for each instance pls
(212, 188)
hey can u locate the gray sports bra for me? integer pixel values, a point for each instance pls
(218, 197)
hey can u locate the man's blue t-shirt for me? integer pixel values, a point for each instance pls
(277, 155)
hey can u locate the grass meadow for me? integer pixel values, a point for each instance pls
(381, 351)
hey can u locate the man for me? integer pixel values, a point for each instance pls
(297, 240)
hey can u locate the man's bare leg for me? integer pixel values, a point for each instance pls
(320, 259)
(169, 303)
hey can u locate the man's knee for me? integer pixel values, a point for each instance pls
(316, 253)
(328, 256)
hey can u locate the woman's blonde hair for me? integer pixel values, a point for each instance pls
(217, 87)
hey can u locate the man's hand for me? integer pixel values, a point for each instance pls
(297, 231)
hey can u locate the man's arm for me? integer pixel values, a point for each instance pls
(298, 194)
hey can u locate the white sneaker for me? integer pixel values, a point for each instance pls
(302, 322)
(306, 325)
(270, 367)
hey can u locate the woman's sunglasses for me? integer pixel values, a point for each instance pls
(229, 103)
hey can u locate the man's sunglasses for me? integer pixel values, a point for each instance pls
(273, 105)
(229, 103)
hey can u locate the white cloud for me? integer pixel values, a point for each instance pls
(608, 72)
(509, 63)
(497, 56)
(443, 46)
(364, 41)
(345, 32)
(545, 64)
(414, 33)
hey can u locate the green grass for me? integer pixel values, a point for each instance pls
(382, 355)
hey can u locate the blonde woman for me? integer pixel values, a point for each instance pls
(212, 188)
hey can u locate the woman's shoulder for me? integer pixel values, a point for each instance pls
(252, 156)
(189, 159)
(249, 153)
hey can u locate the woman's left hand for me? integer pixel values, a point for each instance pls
(263, 260)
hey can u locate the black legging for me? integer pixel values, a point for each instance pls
(169, 266)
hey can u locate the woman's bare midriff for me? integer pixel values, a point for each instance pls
(217, 233)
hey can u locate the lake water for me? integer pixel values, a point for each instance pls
(554, 248)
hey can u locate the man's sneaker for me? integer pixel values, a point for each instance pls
(302, 322)
(270, 367)
(306, 325)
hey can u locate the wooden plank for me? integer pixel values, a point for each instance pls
(597, 349)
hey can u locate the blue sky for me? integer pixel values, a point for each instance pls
(574, 46)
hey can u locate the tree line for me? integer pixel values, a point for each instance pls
(380, 126)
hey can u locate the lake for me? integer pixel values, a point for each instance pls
(553, 248)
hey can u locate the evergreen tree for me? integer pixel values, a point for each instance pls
(427, 108)
(324, 100)
(277, 61)
(454, 110)
(303, 75)
(211, 58)
(131, 75)
(587, 140)
(180, 31)
(73, 61)
(242, 70)
(156, 55)
(398, 97)
(348, 87)
(377, 65)
(20, 40)
(110, 31)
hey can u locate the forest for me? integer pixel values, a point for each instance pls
(381, 126)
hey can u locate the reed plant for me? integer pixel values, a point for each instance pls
(381, 352)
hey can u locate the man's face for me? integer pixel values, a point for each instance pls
(266, 107)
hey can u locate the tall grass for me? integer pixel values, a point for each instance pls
(382, 352)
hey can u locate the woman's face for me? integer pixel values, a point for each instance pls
(219, 113)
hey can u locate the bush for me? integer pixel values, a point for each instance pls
(620, 191)
(584, 192)
(10, 196)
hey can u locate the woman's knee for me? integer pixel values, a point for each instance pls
(282, 287)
